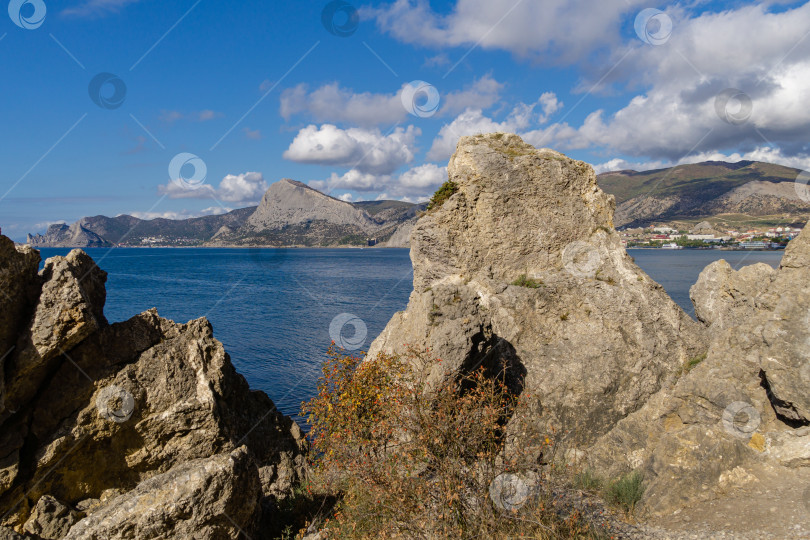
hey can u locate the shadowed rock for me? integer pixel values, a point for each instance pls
(100, 409)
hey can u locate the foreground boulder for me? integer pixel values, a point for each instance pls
(741, 413)
(99, 420)
(521, 267)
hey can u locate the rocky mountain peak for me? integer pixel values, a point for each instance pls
(289, 202)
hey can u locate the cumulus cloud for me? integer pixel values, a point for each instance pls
(246, 189)
(367, 150)
(416, 183)
(473, 121)
(764, 153)
(334, 104)
(762, 55)
(551, 31)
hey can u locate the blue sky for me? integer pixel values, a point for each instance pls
(260, 91)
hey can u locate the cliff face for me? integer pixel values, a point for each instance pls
(137, 429)
(61, 235)
(588, 333)
(744, 411)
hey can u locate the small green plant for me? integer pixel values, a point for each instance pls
(587, 480)
(692, 362)
(442, 194)
(609, 280)
(564, 316)
(526, 281)
(626, 491)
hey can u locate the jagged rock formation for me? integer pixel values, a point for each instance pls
(62, 235)
(98, 422)
(591, 336)
(743, 410)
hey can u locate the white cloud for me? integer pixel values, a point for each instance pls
(481, 94)
(764, 153)
(367, 150)
(332, 103)
(551, 31)
(416, 182)
(180, 214)
(246, 189)
(473, 121)
(91, 8)
(764, 55)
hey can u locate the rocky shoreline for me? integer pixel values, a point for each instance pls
(143, 429)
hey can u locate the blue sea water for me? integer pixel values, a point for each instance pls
(272, 308)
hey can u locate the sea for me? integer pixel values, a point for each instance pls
(277, 310)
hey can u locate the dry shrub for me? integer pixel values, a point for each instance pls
(417, 460)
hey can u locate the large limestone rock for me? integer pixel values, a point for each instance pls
(592, 338)
(100, 409)
(209, 498)
(743, 410)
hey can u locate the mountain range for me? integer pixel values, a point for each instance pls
(294, 214)
(290, 214)
(745, 192)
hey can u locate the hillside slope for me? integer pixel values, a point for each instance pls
(710, 189)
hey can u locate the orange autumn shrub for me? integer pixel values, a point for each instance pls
(416, 460)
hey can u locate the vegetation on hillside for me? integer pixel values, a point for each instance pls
(409, 459)
(442, 194)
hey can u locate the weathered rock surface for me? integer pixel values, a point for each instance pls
(62, 235)
(99, 409)
(209, 498)
(50, 519)
(742, 411)
(593, 337)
